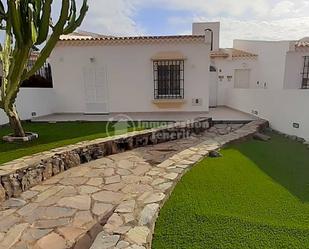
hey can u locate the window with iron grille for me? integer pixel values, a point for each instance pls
(41, 79)
(305, 73)
(168, 79)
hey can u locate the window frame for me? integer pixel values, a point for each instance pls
(169, 83)
(305, 73)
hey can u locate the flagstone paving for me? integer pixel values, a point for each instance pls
(109, 203)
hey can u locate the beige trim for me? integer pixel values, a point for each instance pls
(169, 103)
(168, 55)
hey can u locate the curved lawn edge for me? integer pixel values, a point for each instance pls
(216, 215)
(174, 169)
(145, 205)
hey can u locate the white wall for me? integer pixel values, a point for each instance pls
(31, 100)
(129, 75)
(226, 67)
(271, 61)
(294, 68)
(281, 107)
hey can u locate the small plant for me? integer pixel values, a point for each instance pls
(27, 24)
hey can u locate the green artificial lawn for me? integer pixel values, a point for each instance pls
(255, 196)
(57, 135)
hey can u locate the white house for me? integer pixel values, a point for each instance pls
(190, 73)
(99, 74)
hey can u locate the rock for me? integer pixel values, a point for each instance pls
(58, 212)
(14, 235)
(48, 193)
(71, 233)
(113, 223)
(126, 207)
(2, 194)
(74, 181)
(138, 235)
(164, 186)
(102, 209)
(28, 195)
(108, 197)
(81, 202)
(114, 187)
(148, 214)
(34, 234)
(128, 218)
(158, 181)
(48, 170)
(112, 179)
(13, 202)
(109, 172)
(214, 154)
(70, 159)
(7, 222)
(261, 137)
(105, 241)
(83, 219)
(136, 247)
(122, 244)
(157, 197)
(171, 176)
(122, 230)
(27, 209)
(95, 182)
(141, 169)
(136, 188)
(85, 190)
(53, 239)
(45, 224)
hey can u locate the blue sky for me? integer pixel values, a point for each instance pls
(240, 19)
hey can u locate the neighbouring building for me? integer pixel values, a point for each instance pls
(97, 74)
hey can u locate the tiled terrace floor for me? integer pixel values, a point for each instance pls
(217, 114)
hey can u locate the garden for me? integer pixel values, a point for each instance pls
(255, 196)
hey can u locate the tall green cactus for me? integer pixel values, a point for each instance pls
(28, 23)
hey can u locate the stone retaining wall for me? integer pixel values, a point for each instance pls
(22, 174)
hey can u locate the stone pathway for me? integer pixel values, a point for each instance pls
(109, 203)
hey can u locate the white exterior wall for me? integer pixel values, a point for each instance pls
(271, 61)
(29, 100)
(294, 68)
(280, 68)
(227, 67)
(281, 107)
(129, 76)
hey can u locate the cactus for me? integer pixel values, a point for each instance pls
(27, 24)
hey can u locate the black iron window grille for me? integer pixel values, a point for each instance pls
(41, 79)
(305, 74)
(168, 79)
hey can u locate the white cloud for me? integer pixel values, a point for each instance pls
(284, 29)
(282, 8)
(243, 19)
(112, 17)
